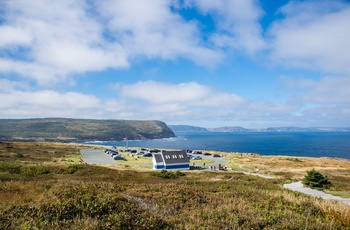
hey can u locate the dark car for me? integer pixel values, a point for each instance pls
(216, 155)
(207, 154)
(118, 157)
(154, 150)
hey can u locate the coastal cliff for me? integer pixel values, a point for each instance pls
(80, 130)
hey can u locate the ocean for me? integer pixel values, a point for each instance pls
(309, 144)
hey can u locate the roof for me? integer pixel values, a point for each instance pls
(158, 158)
(175, 157)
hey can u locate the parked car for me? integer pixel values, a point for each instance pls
(114, 154)
(198, 158)
(141, 153)
(207, 154)
(154, 150)
(216, 155)
(190, 156)
(147, 155)
(118, 157)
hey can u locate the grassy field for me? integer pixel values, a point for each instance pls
(42, 186)
(294, 168)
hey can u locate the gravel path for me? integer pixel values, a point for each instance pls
(298, 186)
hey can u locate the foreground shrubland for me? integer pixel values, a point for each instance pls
(38, 191)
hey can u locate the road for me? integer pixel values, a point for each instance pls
(298, 186)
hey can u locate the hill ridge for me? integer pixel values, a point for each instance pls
(80, 130)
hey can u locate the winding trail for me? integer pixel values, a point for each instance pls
(298, 187)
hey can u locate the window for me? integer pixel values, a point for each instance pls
(181, 156)
(174, 157)
(167, 157)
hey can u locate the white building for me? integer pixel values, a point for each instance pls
(171, 160)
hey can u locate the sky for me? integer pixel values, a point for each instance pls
(249, 63)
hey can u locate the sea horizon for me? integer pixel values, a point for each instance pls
(302, 144)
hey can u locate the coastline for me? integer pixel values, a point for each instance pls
(333, 145)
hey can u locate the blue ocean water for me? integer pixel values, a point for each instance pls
(311, 144)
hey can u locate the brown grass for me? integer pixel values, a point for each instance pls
(77, 196)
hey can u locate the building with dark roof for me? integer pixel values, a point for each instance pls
(171, 160)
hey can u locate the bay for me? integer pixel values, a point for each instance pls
(309, 144)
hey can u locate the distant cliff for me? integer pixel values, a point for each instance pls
(79, 130)
(238, 129)
(235, 129)
(187, 128)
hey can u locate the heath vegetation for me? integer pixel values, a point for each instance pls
(41, 189)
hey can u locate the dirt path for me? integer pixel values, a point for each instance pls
(298, 186)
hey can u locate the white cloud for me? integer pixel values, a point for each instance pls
(8, 86)
(184, 94)
(313, 35)
(184, 102)
(13, 36)
(47, 103)
(49, 41)
(327, 90)
(237, 22)
(150, 28)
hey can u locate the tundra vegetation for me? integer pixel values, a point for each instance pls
(43, 186)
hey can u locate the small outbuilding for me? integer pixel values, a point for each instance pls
(171, 160)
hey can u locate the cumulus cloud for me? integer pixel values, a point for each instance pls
(150, 28)
(47, 103)
(49, 41)
(237, 21)
(189, 94)
(177, 103)
(313, 35)
(54, 41)
(327, 90)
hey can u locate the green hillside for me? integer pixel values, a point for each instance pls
(62, 129)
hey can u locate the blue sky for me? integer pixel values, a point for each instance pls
(207, 63)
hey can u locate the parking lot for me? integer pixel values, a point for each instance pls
(98, 157)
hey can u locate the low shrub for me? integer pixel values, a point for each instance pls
(35, 170)
(315, 179)
(71, 169)
(168, 174)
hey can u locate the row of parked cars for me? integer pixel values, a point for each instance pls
(190, 152)
(194, 157)
(114, 154)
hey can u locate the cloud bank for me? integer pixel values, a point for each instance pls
(46, 44)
